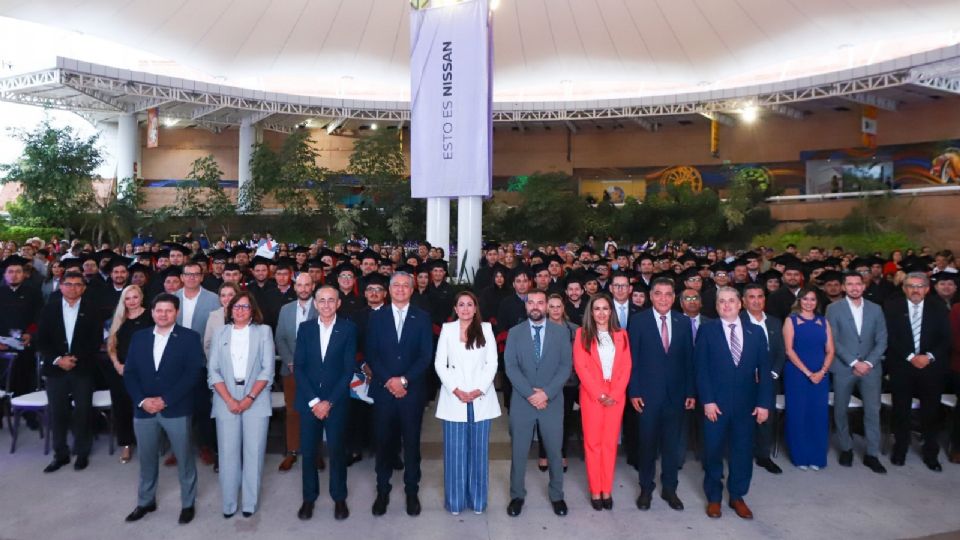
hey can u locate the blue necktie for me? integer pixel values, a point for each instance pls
(536, 341)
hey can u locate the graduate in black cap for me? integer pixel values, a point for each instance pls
(119, 276)
(214, 278)
(421, 287)
(484, 275)
(491, 296)
(369, 263)
(300, 255)
(945, 287)
(832, 285)
(441, 294)
(20, 305)
(346, 279)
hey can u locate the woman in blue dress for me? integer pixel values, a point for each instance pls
(809, 345)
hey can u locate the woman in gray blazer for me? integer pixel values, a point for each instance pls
(240, 370)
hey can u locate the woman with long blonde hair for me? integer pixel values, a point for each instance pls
(129, 317)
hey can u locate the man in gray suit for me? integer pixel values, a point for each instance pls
(538, 360)
(860, 340)
(291, 315)
(196, 303)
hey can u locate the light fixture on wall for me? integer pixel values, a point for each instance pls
(749, 114)
(169, 122)
(373, 126)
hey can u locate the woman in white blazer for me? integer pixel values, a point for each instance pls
(240, 371)
(466, 363)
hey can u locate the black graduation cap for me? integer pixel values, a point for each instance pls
(376, 279)
(259, 259)
(174, 246)
(689, 273)
(137, 267)
(72, 263)
(491, 245)
(300, 249)
(945, 276)
(785, 258)
(345, 267)
(288, 263)
(771, 274)
(408, 268)
(163, 254)
(369, 254)
(585, 249)
(385, 261)
(525, 270)
(590, 275)
(720, 267)
(601, 262)
(832, 261)
(554, 258)
(537, 268)
(831, 275)
(860, 262)
(103, 254)
(316, 263)
(240, 249)
(220, 255)
(172, 270)
(13, 260)
(420, 269)
(84, 257)
(119, 261)
(231, 266)
(750, 255)
(326, 252)
(621, 253)
(687, 257)
(436, 263)
(144, 255)
(793, 264)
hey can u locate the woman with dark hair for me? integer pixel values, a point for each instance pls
(491, 296)
(601, 358)
(466, 363)
(809, 345)
(240, 369)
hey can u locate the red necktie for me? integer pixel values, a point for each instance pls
(664, 333)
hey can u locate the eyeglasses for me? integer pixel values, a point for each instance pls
(620, 285)
(192, 274)
(242, 307)
(915, 286)
(693, 279)
(375, 289)
(691, 298)
(72, 284)
(345, 275)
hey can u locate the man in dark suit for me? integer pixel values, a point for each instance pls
(20, 304)
(661, 389)
(754, 301)
(323, 365)
(68, 340)
(691, 305)
(399, 350)
(736, 389)
(164, 365)
(918, 337)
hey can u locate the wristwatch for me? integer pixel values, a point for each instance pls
(403, 382)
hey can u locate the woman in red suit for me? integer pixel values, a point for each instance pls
(601, 358)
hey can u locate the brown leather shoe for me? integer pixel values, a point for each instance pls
(713, 510)
(206, 455)
(321, 464)
(288, 462)
(955, 457)
(741, 509)
(171, 460)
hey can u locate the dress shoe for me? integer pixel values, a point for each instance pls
(287, 462)
(741, 509)
(56, 464)
(933, 465)
(413, 505)
(247, 514)
(354, 458)
(306, 510)
(141, 511)
(672, 500)
(559, 507)
(607, 503)
(846, 458)
(398, 465)
(597, 504)
(171, 460)
(713, 510)
(321, 464)
(955, 457)
(186, 515)
(380, 504)
(206, 456)
(340, 510)
(515, 507)
(770, 466)
(898, 459)
(874, 464)
(228, 516)
(81, 463)
(543, 466)
(126, 454)
(643, 501)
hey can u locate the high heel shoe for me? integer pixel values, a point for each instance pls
(607, 503)
(542, 467)
(597, 504)
(126, 454)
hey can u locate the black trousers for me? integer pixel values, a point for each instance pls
(61, 390)
(927, 385)
(359, 433)
(955, 433)
(398, 424)
(570, 395)
(122, 408)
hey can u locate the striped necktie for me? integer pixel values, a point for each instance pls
(915, 320)
(735, 347)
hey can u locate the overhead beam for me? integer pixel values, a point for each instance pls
(99, 96)
(943, 84)
(872, 100)
(783, 110)
(335, 124)
(145, 104)
(571, 126)
(648, 125)
(205, 111)
(721, 118)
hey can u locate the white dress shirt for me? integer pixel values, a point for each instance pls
(325, 332)
(400, 316)
(737, 327)
(623, 313)
(159, 344)
(189, 305)
(607, 351)
(762, 323)
(303, 312)
(656, 319)
(239, 351)
(70, 319)
(857, 312)
(919, 307)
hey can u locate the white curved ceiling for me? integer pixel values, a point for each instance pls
(545, 50)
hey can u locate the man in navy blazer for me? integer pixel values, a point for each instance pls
(661, 389)
(323, 363)
(734, 384)
(164, 364)
(399, 350)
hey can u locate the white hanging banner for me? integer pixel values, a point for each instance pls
(451, 56)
